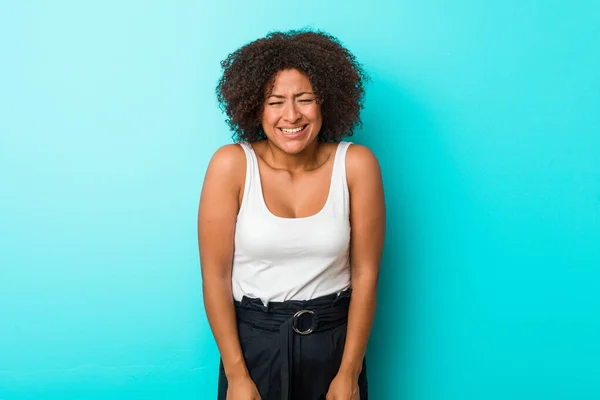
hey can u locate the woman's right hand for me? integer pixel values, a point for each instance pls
(242, 389)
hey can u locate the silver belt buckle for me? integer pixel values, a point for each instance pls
(299, 313)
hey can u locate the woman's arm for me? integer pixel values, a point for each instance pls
(367, 219)
(219, 205)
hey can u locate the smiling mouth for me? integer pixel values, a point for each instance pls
(293, 131)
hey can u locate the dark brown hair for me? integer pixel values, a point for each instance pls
(336, 77)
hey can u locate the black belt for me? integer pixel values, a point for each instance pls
(326, 312)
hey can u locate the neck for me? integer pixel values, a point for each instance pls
(307, 159)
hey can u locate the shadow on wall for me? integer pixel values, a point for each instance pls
(401, 132)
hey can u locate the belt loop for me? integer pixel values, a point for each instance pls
(254, 303)
(345, 294)
(245, 302)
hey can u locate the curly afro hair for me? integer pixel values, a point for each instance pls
(337, 79)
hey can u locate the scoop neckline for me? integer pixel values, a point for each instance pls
(262, 196)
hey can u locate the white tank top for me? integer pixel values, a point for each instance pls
(279, 259)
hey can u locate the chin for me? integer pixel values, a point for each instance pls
(295, 146)
(292, 147)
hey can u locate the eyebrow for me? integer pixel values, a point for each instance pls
(296, 95)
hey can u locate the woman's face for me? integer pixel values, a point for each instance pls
(291, 114)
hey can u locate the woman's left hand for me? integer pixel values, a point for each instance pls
(343, 387)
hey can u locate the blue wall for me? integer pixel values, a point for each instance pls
(486, 120)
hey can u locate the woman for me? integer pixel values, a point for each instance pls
(291, 224)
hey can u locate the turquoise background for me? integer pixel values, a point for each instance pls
(485, 116)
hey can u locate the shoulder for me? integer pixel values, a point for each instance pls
(228, 159)
(361, 164)
(228, 164)
(229, 156)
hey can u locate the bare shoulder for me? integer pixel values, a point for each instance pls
(219, 205)
(226, 170)
(367, 208)
(361, 165)
(229, 157)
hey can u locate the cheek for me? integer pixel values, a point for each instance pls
(269, 118)
(315, 115)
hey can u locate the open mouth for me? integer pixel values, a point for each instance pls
(293, 131)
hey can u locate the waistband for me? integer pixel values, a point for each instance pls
(323, 313)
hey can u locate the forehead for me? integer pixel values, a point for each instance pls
(291, 81)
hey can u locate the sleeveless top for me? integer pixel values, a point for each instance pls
(280, 259)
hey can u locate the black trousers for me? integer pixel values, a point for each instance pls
(293, 349)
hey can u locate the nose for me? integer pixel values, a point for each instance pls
(290, 112)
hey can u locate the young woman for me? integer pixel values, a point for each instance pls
(291, 224)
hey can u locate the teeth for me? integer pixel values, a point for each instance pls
(292, 130)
